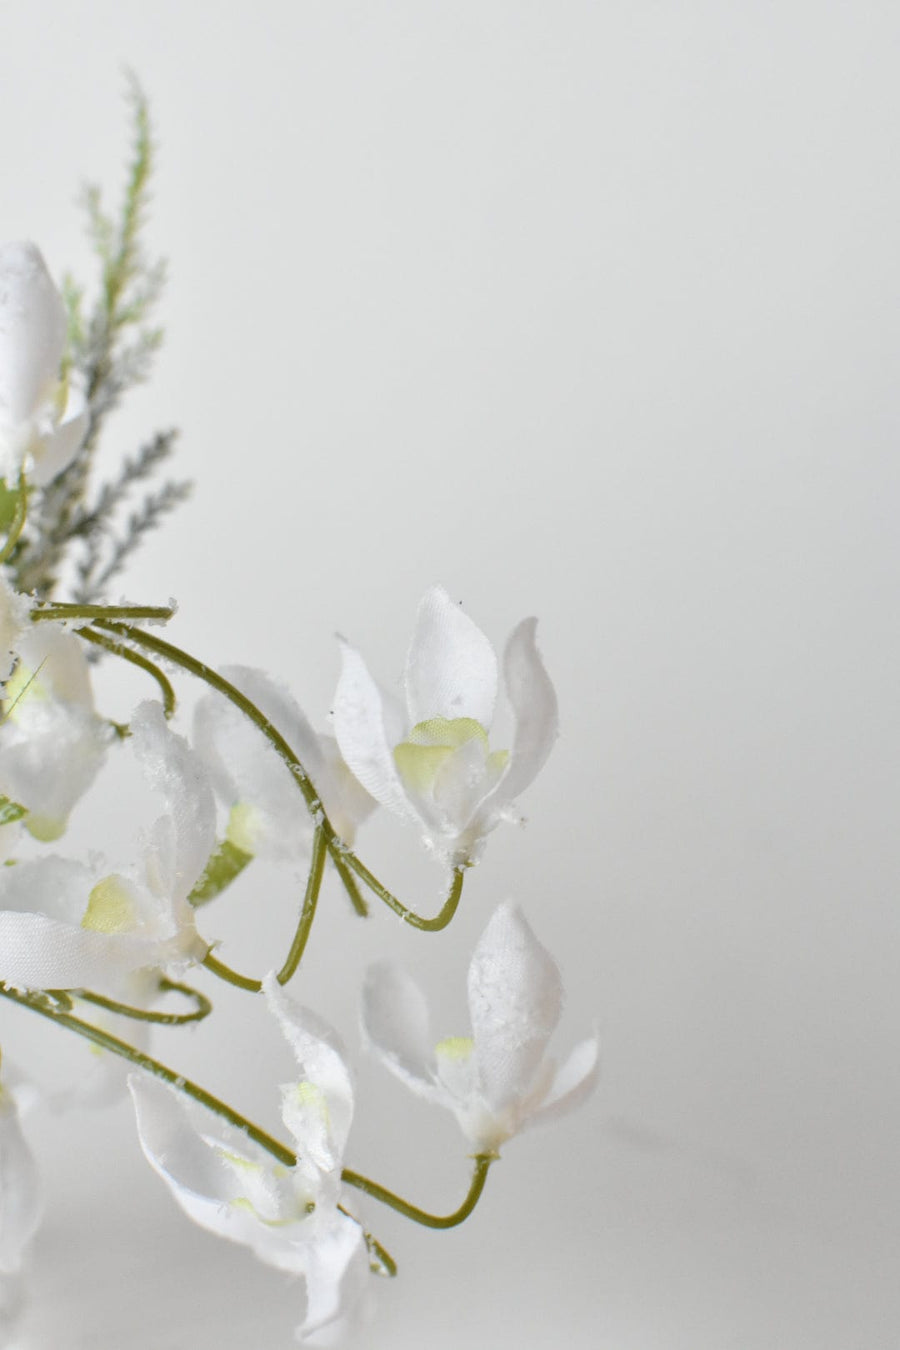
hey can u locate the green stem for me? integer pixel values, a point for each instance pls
(440, 920)
(136, 659)
(301, 934)
(203, 1008)
(308, 912)
(17, 524)
(349, 883)
(64, 610)
(225, 972)
(479, 1177)
(37, 1003)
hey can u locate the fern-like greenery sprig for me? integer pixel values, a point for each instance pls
(111, 349)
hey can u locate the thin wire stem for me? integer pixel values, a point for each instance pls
(59, 609)
(421, 1216)
(225, 972)
(203, 1008)
(440, 920)
(308, 911)
(136, 659)
(17, 524)
(348, 881)
(301, 933)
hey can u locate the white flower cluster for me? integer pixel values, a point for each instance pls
(93, 943)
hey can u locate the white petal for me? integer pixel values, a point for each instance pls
(20, 1206)
(55, 450)
(322, 1062)
(42, 953)
(573, 1082)
(32, 332)
(359, 728)
(52, 743)
(346, 802)
(190, 1163)
(14, 610)
(515, 1000)
(182, 843)
(534, 704)
(396, 1027)
(336, 1267)
(54, 886)
(246, 770)
(451, 667)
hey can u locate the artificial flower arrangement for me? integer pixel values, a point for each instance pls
(102, 950)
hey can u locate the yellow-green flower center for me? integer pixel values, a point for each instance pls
(432, 743)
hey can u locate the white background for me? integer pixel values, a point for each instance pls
(587, 310)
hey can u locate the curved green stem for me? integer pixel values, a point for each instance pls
(308, 912)
(479, 1177)
(47, 1008)
(136, 659)
(59, 609)
(225, 972)
(203, 1005)
(440, 920)
(348, 881)
(301, 934)
(17, 524)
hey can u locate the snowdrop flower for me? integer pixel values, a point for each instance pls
(20, 1205)
(287, 1216)
(63, 926)
(431, 762)
(268, 817)
(42, 422)
(52, 742)
(499, 1080)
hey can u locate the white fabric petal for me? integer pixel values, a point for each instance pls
(336, 1267)
(451, 667)
(191, 1164)
(360, 732)
(534, 705)
(14, 610)
(54, 886)
(183, 841)
(321, 1058)
(20, 1205)
(52, 743)
(396, 1027)
(32, 332)
(573, 1082)
(246, 770)
(55, 450)
(515, 1000)
(42, 953)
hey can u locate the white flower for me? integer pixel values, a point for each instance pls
(52, 742)
(500, 1079)
(42, 422)
(287, 1216)
(268, 816)
(14, 611)
(431, 762)
(63, 926)
(20, 1205)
